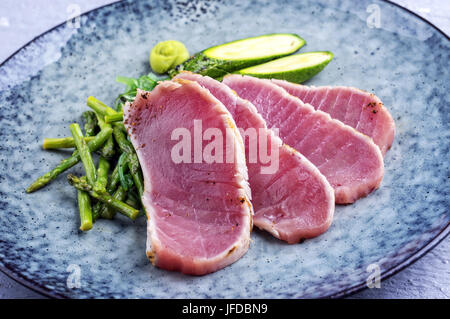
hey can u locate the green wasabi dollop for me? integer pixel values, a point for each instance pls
(167, 54)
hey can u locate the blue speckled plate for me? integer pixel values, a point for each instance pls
(44, 86)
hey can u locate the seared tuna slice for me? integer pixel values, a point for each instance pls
(350, 161)
(199, 212)
(294, 200)
(361, 110)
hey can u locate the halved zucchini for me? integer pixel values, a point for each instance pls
(219, 60)
(294, 68)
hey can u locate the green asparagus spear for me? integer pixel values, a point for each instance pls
(121, 139)
(96, 210)
(132, 199)
(138, 179)
(118, 117)
(101, 110)
(93, 145)
(113, 180)
(108, 149)
(103, 197)
(129, 181)
(63, 142)
(85, 154)
(102, 175)
(133, 162)
(100, 185)
(123, 164)
(84, 205)
(89, 129)
(91, 123)
(121, 126)
(99, 107)
(108, 212)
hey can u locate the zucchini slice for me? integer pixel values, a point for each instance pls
(294, 68)
(226, 58)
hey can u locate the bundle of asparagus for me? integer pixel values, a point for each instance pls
(100, 194)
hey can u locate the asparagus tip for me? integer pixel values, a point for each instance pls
(71, 178)
(34, 187)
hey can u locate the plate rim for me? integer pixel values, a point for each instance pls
(443, 230)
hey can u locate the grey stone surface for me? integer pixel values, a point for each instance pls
(429, 277)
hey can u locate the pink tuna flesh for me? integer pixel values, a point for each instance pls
(199, 214)
(350, 161)
(293, 202)
(361, 110)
